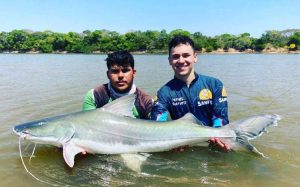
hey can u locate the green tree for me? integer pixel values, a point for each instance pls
(59, 42)
(91, 41)
(179, 32)
(35, 40)
(17, 41)
(162, 41)
(151, 39)
(200, 41)
(46, 47)
(259, 44)
(243, 42)
(110, 41)
(74, 42)
(275, 38)
(212, 44)
(137, 41)
(46, 40)
(3, 41)
(224, 41)
(294, 39)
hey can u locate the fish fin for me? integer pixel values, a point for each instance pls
(122, 106)
(189, 118)
(67, 135)
(135, 161)
(69, 152)
(251, 128)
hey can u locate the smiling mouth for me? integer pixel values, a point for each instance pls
(180, 68)
(181, 65)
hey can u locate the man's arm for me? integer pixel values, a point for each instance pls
(89, 101)
(220, 106)
(220, 115)
(159, 109)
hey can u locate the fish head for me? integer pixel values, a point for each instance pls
(44, 131)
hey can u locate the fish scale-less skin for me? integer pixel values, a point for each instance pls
(107, 131)
(103, 132)
(148, 130)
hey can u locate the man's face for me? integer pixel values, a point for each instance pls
(182, 59)
(121, 78)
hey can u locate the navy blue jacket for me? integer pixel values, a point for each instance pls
(206, 98)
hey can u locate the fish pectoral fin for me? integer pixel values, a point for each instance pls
(70, 151)
(134, 161)
(68, 134)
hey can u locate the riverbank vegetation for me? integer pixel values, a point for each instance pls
(102, 41)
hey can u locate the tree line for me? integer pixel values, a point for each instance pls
(137, 41)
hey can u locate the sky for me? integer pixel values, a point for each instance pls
(210, 17)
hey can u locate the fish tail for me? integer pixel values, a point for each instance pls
(252, 128)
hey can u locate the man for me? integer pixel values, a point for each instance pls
(189, 92)
(120, 72)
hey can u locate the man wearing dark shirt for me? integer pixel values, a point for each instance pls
(205, 97)
(120, 72)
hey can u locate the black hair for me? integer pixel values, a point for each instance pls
(176, 40)
(119, 58)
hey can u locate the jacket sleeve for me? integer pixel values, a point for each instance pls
(220, 106)
(160, 108)
(89, 101)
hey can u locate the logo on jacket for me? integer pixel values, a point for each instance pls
(178, 101)
(205, 94)
(224, 93)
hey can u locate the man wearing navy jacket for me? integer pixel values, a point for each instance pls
(190, 92)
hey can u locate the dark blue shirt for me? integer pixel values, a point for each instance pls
(206, 98)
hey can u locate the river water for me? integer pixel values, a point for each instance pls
(34, 86)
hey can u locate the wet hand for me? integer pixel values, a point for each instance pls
(219, 143)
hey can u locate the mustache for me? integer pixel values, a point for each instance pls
(122, 81)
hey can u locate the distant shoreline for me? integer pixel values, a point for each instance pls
(218, 51)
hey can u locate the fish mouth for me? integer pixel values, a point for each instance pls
(22, 134)
(16, 132)
(22, 130)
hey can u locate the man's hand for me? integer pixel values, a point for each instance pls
(219, 143)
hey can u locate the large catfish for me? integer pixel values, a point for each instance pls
(111, 130)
